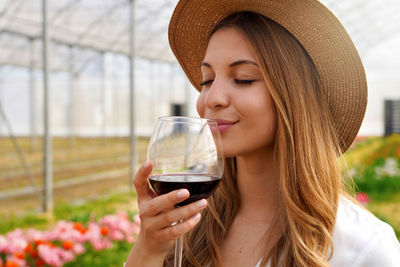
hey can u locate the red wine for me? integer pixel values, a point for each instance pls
(199, 186)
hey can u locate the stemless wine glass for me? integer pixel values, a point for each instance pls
(186, 153)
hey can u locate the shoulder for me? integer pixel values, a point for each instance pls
(361, 239)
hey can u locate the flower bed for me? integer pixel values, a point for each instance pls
(65, 241)
(375, 165)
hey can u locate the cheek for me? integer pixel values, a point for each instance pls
(200, 105)
(260, 115)
(269, 123)
(268, 116)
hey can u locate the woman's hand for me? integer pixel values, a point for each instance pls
(157, 214)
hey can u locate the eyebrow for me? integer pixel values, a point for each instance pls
(233, 64)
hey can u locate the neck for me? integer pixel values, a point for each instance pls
(258, 185)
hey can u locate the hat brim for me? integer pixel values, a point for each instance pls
(311, 23)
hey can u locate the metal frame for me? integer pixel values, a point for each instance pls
(47, 148)
(144, 35)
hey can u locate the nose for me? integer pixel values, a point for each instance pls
(216, 96)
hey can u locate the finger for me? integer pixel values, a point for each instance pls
(140, 181)
(163, 202)
(179, 229)
(167, 219)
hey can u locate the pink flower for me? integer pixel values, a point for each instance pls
(116, 235)
(3, 244)
(362, 198)
(100, 244)
(78, 248)
(16, 241)
(66, 256)
(130, 239)
(33, 234)
(15, 260)
(121, 228)
(136, 219)
(93, 232)
(50, 255)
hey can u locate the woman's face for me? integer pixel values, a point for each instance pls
(235, 95)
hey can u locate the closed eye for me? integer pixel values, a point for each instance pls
(206, 82)
(243, 81)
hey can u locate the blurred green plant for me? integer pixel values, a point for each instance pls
(113, 257)
(375, 165)
(78, 212)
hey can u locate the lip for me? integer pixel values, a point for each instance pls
(224, 125)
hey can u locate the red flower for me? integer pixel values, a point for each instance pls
(104, 230)
(79, 227)
(363, 198)
(19, 255)
(39, 242)
(124, 216)
(67, 245)
(39, 263)
(28, 249)
(35, 254)
(396, 153)
(31, 250)
(42, 242)
(11, 264)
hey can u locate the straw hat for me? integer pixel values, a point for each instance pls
(315, 27)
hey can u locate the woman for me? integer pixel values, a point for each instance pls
(288, 90)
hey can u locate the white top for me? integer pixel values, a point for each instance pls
(362, 240)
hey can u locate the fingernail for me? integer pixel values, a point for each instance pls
(201, 203)
(182, 193)
(146, 164)
(197, 217)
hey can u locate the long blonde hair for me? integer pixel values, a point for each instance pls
(305, 153)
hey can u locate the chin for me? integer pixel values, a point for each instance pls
(228, 153)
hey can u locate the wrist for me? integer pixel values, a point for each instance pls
(141, 257)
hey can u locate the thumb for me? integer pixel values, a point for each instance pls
(140, 181)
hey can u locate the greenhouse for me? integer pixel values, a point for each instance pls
(83, 82)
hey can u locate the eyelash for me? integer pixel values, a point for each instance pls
(206, 82)
(245, 82)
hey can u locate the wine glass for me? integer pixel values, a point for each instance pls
(186, 153)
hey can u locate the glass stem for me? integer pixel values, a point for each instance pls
(178, 250)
